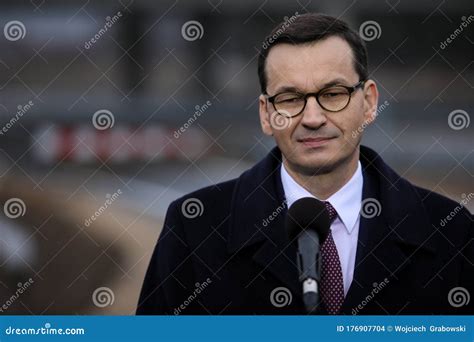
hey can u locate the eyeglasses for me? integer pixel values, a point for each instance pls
(333, 99)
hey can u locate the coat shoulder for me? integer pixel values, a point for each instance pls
(434, 200)
(202, 212)
(444, 211)
(209, 195)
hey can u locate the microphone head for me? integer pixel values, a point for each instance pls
(308, 213)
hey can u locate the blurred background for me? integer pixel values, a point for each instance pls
(110, 110)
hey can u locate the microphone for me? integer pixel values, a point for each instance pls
(308, 222)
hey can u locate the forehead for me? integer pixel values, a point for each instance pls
(307, 66)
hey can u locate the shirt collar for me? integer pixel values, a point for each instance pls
(347, 200)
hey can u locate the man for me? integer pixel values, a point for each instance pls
(388, 251)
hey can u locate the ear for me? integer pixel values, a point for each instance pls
(264, 115)
(371, 100)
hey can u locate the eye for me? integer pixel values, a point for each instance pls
(288, 98)
(334, 93)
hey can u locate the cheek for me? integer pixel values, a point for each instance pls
(284, 137)
(279, 123)
(282, 127)
(351, 123)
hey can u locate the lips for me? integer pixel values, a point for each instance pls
(314, 139)
(315, 142)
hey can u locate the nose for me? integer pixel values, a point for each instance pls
(313, 115)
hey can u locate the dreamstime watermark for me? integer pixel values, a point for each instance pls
(286, 23)
(108, 202)
(367, 122)
(109, 22)
(199, 110)
(465, 200)
(280, 122)
(370, 30)
(266, 221)
(458, 119)
(199, 288)
(370, 208)
(192, 208)
(19, 291)
(280, 297)
(377, 288)
(192, 30)
(14, 208)
(103, 296)
(21, 110)
(47, 329)
(103, 119)
(458, 296)
(14, 30)
(464, 24)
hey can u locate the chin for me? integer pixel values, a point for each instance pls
(315, 166)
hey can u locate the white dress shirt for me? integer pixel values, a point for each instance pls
(345, 228)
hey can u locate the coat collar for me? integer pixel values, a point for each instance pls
(257, 195)
(259, 211)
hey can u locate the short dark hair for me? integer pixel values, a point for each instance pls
(308, 28)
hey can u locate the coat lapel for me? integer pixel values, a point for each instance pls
(258, 220)
(386, 241)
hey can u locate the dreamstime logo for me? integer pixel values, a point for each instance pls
(22, 287)
(192, 208)
(458, 296)
(110, 21)
(370, 30)
(281, 297)
(465, 200)
(14, 30)
(197, 291)
(266, 221)
(43, 330)
(192, 30)
(458, 119)
(199, 110)
(103, 296)
(286, 23)
(103, 119)
(280, 122)
(367, 122)
(370, 208)
(108, 202)
(377, 287)
(14, 208)
(465, 22)
(22, 110)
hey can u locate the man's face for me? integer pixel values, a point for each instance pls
(309, 68)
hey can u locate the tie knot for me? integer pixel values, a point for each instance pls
(331, 211)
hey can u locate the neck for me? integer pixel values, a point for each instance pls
(323, 186)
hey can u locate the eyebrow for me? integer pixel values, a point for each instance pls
(293, 89)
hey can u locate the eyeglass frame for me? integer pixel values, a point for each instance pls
(350, 89)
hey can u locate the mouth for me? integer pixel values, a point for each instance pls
(315, 142)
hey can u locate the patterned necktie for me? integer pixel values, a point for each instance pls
(332, 287)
